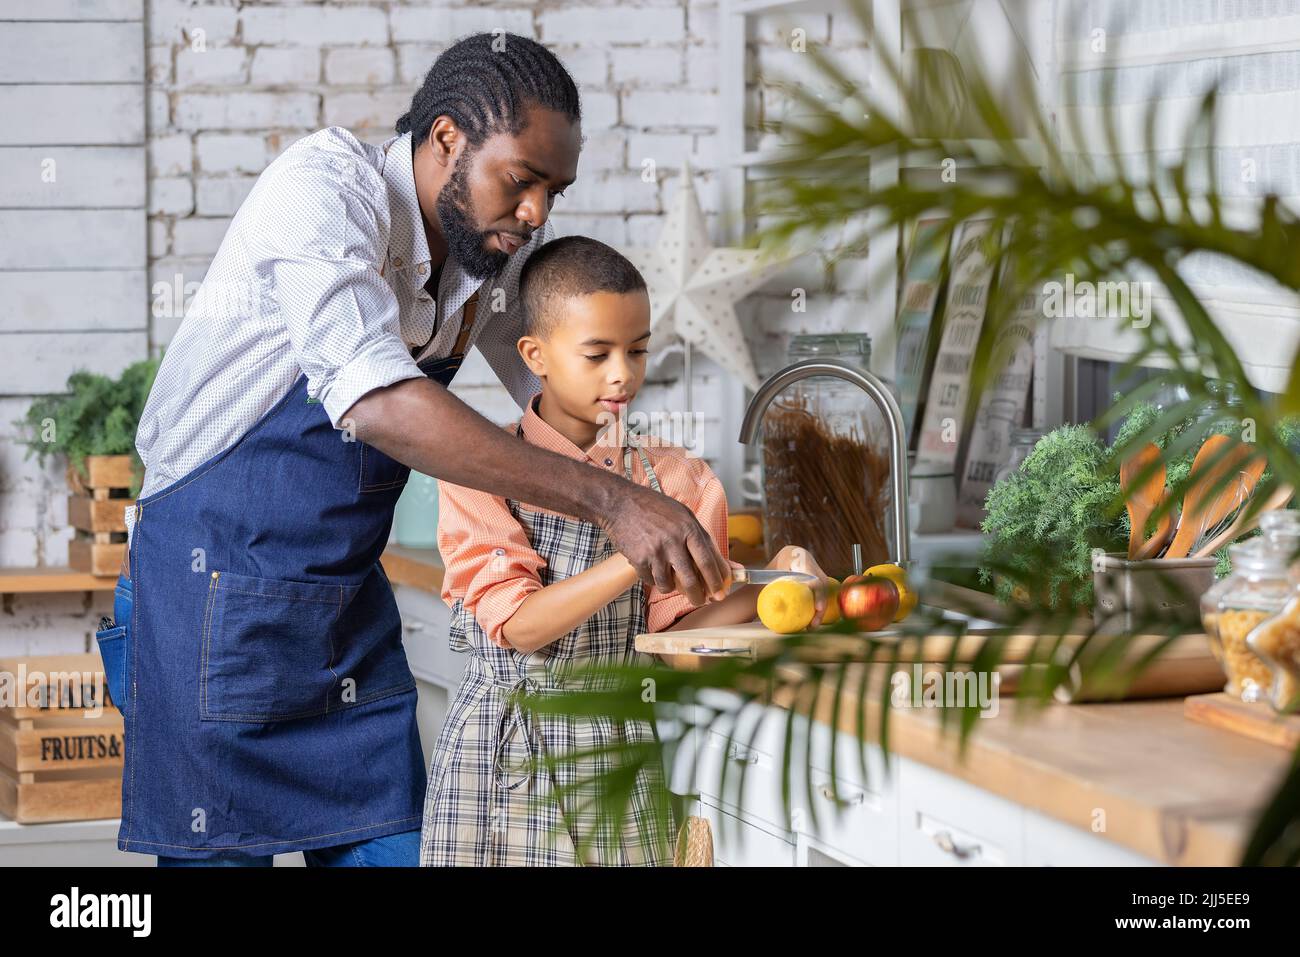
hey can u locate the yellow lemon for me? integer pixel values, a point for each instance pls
(747, 529)
(786, 606)
(906, 597)
(832, 614)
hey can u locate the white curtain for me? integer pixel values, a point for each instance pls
(1172, 51)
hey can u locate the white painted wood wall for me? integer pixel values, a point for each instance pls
(72, 263)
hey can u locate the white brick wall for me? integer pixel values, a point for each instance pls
(229, 86)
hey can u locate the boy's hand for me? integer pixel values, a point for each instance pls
(796, 559)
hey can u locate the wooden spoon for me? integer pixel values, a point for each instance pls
(1207, 501)
(1160, 537)
(1142, 481)
(1241, 525)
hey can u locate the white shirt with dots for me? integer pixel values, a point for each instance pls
(321, 272)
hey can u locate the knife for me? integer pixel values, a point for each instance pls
(765, 576)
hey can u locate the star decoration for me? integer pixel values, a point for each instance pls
(694, 287)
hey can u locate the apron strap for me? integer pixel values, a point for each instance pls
(467, 320)
(470, 310)
(630, 443)
(513, 721)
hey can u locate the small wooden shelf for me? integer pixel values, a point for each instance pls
(15, 581)
(417, 567)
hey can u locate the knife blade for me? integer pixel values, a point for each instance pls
(765, 576)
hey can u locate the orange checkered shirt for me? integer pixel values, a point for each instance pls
(489, 561)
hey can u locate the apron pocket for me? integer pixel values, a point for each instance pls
(268, 650)
(380, 472)
(112, 650)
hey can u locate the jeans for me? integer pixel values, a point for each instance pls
(392, 850)
(113, 641)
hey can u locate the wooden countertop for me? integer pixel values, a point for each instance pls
(417, 567)
(1172, 789)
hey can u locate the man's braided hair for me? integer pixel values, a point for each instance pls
(485, 82)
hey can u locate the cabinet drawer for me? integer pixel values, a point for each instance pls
(810, 852)
(741, 842)
(760, 793)
(943, 821)
(866, 826)
(851, 818)
(426, 625)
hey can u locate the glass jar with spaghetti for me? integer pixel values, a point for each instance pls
(826, 462)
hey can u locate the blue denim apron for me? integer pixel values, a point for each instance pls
(267, 700)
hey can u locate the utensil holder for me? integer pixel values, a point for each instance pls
(1133, 595)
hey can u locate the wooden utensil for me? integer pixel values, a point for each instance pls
(1204, 505)
(1152, 547)
(1141, 494)
(1241, 525)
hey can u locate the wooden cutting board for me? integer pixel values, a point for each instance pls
(1255, 720)
(1187, 666)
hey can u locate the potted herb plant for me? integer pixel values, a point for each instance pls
(93, 426)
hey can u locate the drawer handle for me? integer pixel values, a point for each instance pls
(744, 757)
(413, 625)
(945, 843)
(853, 800)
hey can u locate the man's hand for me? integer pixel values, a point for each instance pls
(667, 546)
(418, 422)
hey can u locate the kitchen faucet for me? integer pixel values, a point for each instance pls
(884, 399)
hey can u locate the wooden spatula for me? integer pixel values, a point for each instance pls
(1207, 501)
(1141, 494)
(1241, 525)
(1152, 547)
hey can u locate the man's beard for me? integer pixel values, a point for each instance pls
(466, 243)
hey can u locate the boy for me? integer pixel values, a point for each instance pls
(535, 596)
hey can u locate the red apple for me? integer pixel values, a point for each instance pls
(868, 602)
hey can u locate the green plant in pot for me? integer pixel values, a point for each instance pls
(97, 415)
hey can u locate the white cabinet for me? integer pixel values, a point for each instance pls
(945, 822)
(810, 852)
(854, 810)
(65, 844)
(426, 624)
(1053, 843)
(741, 841)
(916, 816)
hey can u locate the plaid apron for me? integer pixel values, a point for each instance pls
(491, 802)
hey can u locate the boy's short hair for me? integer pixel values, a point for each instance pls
(567, 267)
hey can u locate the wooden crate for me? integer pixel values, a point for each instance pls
(95, 508)
(60, 753)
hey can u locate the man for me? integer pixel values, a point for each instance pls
(268, 703)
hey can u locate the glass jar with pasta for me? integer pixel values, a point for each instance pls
(1256, 590)
(826, 462)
